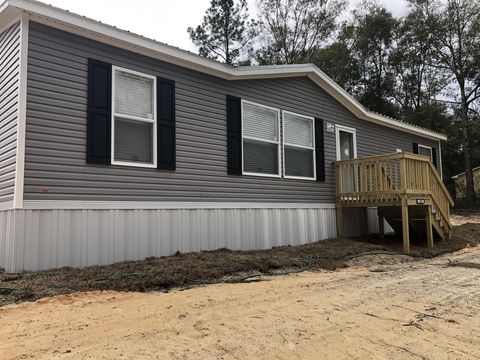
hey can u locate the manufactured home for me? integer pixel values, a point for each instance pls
(116, 147)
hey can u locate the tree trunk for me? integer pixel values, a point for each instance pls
(467, 156)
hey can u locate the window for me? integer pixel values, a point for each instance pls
(134, 126)
(425, 151)
(261, 151)
(298, 146)
(260, 140)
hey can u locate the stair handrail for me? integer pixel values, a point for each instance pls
(434, 171)
(445, 213)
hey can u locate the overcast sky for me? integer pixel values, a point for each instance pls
(163, 20)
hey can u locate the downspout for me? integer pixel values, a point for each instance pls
(440, 158)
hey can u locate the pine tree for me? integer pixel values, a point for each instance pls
(225, 32)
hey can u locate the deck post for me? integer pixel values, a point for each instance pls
(405, 227)
(428, 222)
(381, 224)
(340, 224)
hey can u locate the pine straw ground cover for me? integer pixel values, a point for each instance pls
(186, 270)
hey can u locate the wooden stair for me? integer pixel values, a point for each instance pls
(405, 187)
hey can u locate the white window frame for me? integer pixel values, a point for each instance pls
(299, 147)
(353, 131)
(134, 118)
(426, 147)
(262, 140)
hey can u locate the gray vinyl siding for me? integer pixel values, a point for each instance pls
(9, 87)
(56, 166)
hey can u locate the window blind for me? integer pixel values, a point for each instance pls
(133, 141)
(298, 162)
(133, 95)
(298, 130)
(298, 141)
(260, 122)
(260, 139)
(260, 157)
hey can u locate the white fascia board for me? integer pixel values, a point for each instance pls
(93, 29)
(274, 71)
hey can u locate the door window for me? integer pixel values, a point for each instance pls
(346, 143)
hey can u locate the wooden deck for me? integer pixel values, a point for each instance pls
(397, 184)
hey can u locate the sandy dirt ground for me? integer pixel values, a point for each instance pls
(401, 309)
(464, 218)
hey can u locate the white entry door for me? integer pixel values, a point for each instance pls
(346, 142)
(347, 150)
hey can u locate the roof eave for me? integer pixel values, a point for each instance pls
(71, 22)
(60, 18)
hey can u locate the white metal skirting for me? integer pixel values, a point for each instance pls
(45, 239)
(7, 239)
(39, 239)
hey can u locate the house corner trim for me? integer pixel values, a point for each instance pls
(22, 114)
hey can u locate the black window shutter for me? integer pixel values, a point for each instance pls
(415, 148)
(99, 112)
(234, 135)
(319, 150)
(434, 156)
(166, 124)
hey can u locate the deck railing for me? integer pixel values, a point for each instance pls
(387, 178)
